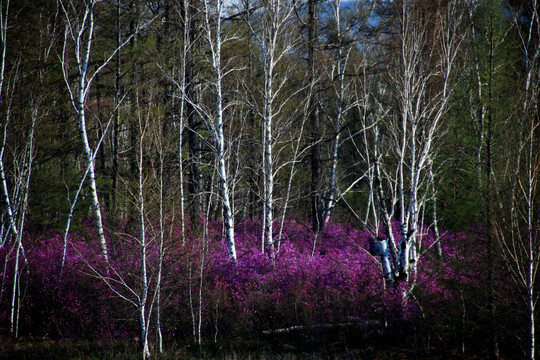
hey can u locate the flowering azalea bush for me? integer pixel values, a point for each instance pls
(328, 279)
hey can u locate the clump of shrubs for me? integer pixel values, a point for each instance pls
(324, 280)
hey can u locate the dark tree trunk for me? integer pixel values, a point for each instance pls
(194, 178)
(314, 119)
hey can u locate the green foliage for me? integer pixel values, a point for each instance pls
(483, 115)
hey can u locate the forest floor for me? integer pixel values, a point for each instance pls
(41, 349)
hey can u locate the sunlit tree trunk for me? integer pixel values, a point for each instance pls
(16, 201)
(271, 29)
(519, 231)
(212, 26)
(4, 12)
(531, 112)
(23, 191)
(340, 64)
(81, 31)
(144, 318)
(427, 44)
(269, 39)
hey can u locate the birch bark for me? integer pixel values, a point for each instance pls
(82, 35)
(270, 30)
(428, 42)
(340, 64)
(143, 297)
(213, 31)
(80, 31)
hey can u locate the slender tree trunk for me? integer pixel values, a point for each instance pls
(531, 251)
(436, 233)
(494, 343)
(340, 65)
(161, 242)
(82, 37)
(532, 112)
(184, 83)
(15, 288)
(117, 119)
(26, 173)
(3, 180)
(214, 35)
(142, 247)
(268, 164)
(314, 115)
(90, 163)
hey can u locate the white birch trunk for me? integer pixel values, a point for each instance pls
(215, 42)
(531, 248)
(81, 32)
(530, 107)
(3, 180)
(183, 85)
(340, 65)
(422, 105)
(161, 244)
(270, 32)
(268, 164)
(142, 249)
(90, 164)
(15, 287)
(269, 47)
(82, 35)
(78, 192)
(25, 180)
(83, 62)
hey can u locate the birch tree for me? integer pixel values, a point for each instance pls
(78, 40)
(213, 13)
(15, 196)
(271, 24)
(141, 287)
(423, 80)
(142, 297)
(518, 223)
(80, 30)
(4, 13)
(340, 65)
(346, 28)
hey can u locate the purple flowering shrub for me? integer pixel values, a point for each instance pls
(54, 301)
(328, 279)
(340, 282)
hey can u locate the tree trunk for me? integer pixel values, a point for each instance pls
(340, 67)
(315, 121)
(142, 248)
(268, 164)
(192, 123)
(215, 41)
(78, 98)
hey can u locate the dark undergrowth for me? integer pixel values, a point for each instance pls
(265, 349)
